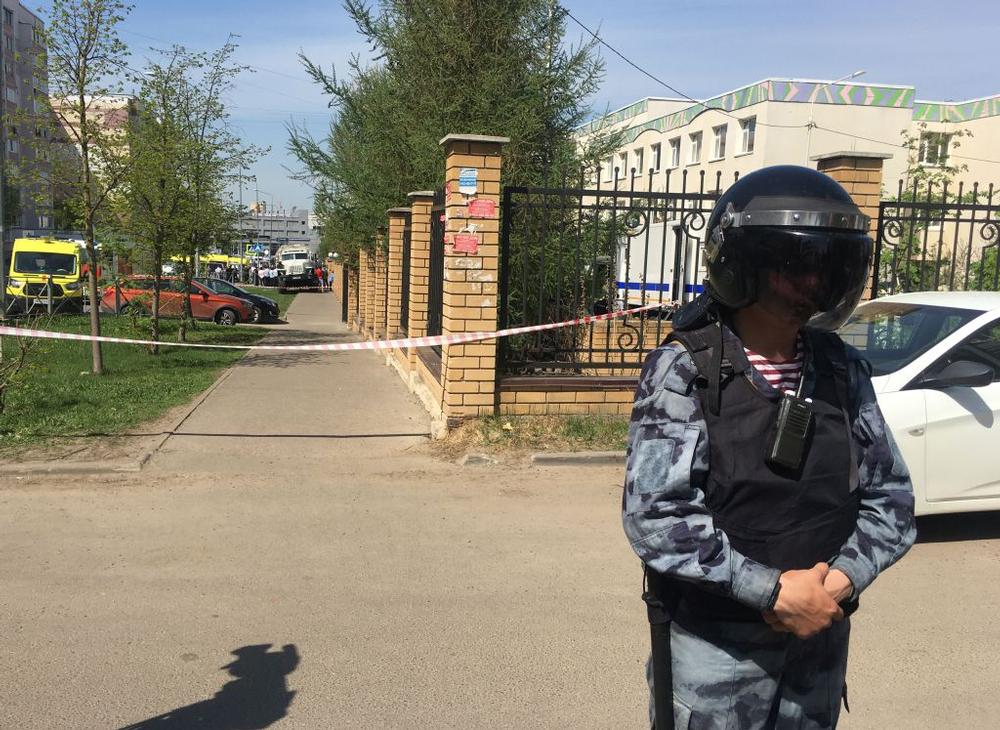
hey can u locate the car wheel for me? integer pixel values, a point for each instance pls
(258, 316)
(227, 317)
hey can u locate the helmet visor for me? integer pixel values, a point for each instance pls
(818, 274)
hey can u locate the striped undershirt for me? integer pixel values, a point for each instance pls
(780, 375)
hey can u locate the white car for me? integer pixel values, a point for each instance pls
(936, 370)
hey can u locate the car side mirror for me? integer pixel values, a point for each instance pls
(960, 373)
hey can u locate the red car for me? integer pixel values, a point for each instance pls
(136, 294)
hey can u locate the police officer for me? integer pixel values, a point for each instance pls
(763, 489)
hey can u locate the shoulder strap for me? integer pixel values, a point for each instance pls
(706, 345)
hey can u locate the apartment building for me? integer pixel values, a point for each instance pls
(25, 87)
(793, 121)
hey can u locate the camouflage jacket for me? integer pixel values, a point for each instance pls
(663, 504)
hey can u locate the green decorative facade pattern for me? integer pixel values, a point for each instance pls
(963, 111)
(805, 92)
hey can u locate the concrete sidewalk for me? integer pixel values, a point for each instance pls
(279, 410)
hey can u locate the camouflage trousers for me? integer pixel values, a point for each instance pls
(745, 676)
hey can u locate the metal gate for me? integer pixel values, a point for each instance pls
(937, 237)
(567, 252)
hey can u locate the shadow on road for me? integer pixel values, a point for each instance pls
(257, 698)
(959, 527)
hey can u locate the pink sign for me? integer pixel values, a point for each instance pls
(466, 243)
(482, 208)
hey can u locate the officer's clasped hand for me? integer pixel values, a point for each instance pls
(804, 607)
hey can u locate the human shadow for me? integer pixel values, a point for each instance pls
(958, 527)
(256, 699)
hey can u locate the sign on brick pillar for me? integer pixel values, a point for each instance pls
(471, 272)
(860, 174)
(398, 220)
(380, 264)
(363, 285)
(421, 203)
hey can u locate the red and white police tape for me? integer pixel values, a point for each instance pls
(452, 339)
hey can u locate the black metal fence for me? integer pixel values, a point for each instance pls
(435, 266)
(404, 292)
(569, 251)
(937, 237)
(345, 292)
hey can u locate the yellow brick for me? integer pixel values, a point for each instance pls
(485, 148)
(572, 408)
(478, 399)
(540, 409)
(458, 161)
(620, 396)
(463, 387)
(480, 375)
(507, 396)
(556, 397)
(596, 396)
(525, 396)
(493, 162)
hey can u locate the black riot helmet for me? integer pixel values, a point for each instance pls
(790, 233)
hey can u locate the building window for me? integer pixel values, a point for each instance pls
(622, 165)
(719, 142)
(8, 16)
(934, 148)
(749, 129)
(655, 149)
(695, 155)
(637, 155)
(675, 152)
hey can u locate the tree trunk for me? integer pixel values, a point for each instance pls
(97, 358)
(157, 281)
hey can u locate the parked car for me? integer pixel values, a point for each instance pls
(136, 294)
(936, 369)
(264, 309)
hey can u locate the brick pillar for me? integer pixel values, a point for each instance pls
(421, 203)
(471, 273)
(363, 296)
(379, 289)
(860, 174)
(398, 219)
(352, 296)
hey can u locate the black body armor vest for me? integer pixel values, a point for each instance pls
(780, 518)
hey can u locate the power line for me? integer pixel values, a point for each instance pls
(663, 83)
(643, 71)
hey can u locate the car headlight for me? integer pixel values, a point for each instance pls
(15, 283)
(72, 286)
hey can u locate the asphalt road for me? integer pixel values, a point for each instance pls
(275, 570)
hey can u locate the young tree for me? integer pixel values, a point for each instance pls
(214, 158)
(85, 67)
(157, 197)
(479, 67)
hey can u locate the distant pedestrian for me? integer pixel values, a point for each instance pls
(329, 281)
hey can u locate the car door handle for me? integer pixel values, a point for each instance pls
(916, 431)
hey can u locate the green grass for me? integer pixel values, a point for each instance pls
(55, 394)
(271, 292)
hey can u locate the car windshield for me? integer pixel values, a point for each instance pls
(297, 256)
(891, 335)
(40, 262)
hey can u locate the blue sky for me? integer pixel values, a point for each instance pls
(702, 47)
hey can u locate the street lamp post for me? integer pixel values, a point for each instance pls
(810, 125)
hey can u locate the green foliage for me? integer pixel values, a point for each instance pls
(922, 256)
(476, 67)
